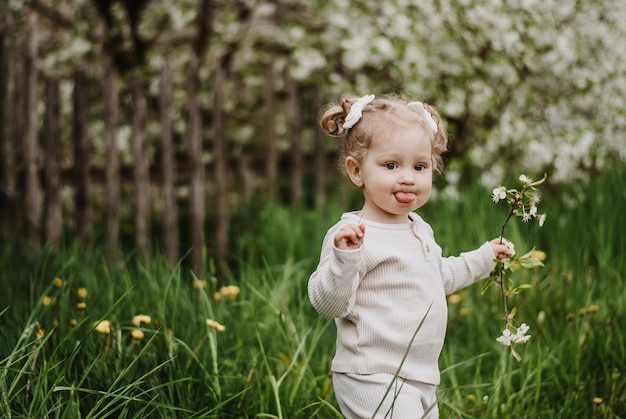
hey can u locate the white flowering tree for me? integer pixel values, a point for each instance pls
(538, 85)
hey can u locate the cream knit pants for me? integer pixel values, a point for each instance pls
(359, 396)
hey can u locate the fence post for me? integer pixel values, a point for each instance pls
(80, 140)
(112, 186)
(168, 166)
(321, 199)
(295, 139)
(53, 218)
(197, 167)
(219, 151)
(31, 146)
(269, 134)
(141, 166)
(7, 125)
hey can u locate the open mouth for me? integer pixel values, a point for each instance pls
(404, 197)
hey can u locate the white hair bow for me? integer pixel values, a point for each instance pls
(419, 107)
(356, 111)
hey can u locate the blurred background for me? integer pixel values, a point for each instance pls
(162, 125)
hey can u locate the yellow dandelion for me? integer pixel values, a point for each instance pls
(137, 334)
(230, 291)
(82, 292)
(199, 283)
(593, 309)
(285, 359)
(597, 400)
(40, 333)
(58, 282)
(570, 317)
(140, 319)
(81, 306)
(104, 327)
(454, 299)
(73, 322)
(539, 254)
(217, 296)
(464, 311)
(471, 397)
(582, 311)
(46, 301)
(215, 325)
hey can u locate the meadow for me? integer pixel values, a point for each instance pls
(85, 337)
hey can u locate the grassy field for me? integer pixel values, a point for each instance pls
(85, 337)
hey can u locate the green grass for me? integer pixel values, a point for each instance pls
(273, 358)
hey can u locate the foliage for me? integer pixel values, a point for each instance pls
(265, 353)
(538, 80)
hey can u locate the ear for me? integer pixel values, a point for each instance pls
(353, 168)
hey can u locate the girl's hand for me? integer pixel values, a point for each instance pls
(501, 250)
(350, 237)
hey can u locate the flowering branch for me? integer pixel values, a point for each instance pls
(523, 203)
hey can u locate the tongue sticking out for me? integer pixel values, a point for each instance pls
(405, 197)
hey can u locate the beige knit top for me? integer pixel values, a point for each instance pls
(380, 293)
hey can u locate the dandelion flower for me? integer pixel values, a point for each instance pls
(41, 332)
(217, 296)
(464, 311)
(597, 400)
(81, 306)
(46, 301)
(539, 254)
(104, 327)
(570, 317)
(82, 292)
(58, 282)
(137, 334)
(215, 325)
(141, 318)
(593, 309)
(454, 299)
(230, 291)
(199, 283)
(471, 397)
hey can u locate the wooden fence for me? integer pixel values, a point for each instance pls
(37, 163)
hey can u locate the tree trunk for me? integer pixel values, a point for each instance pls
(219, 151)
(321, 197)
(31, 147)
(168, 166)
(271, 156)
(295, 139)
(141, 167)
(80, 139)
(52, 209)
(197, 168)
(112, 187)
(7, 160)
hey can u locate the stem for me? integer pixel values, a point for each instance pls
(502, 283)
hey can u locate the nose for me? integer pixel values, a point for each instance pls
(407, 176)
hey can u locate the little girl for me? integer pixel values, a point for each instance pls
(381, 274)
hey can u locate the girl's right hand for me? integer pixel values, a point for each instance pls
(350, 237)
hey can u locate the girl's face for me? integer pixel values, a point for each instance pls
(395, 175)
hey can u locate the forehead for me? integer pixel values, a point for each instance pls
(407, 138)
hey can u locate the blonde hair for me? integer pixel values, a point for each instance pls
(380, 119)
